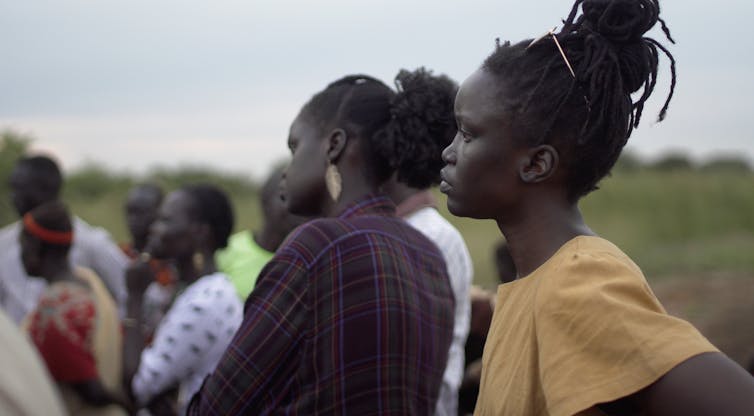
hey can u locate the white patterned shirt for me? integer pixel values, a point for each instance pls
(460, 270)
(190, 340)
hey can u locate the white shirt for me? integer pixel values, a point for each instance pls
(190, 340)
(92, 248)
(460, 270)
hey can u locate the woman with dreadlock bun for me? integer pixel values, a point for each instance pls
(579, 331)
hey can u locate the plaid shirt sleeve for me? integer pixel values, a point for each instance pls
(261, 359)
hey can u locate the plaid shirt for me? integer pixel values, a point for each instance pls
(353, 315)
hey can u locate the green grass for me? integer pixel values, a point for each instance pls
(682, 222)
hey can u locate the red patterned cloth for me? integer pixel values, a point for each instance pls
(62, 328)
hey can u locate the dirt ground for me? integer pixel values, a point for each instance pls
(721, 306)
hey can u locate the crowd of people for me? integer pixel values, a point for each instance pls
(353, 295)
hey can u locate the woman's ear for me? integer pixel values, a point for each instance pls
(203, 237)
(336, 144)
(540, 163)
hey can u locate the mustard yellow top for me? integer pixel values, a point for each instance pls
(582, 329)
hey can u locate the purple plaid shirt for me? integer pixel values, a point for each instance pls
(353, 315)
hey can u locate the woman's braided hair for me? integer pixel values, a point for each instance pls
(404, 130)
(588, 116)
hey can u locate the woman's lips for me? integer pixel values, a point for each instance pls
(444, 185)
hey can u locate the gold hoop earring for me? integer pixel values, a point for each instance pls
(333, 182)
(198, 260)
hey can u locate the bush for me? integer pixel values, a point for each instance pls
(229, 182)
(673, 162)
(94, 181)
(628, 162)
(12, 146)
(726, 164)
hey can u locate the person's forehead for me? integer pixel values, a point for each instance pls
(23, 178)
(141, 197)
(479, 98)
(178, 204)
(22, 172)
(480, 86)
(301, 126)
(176, 199)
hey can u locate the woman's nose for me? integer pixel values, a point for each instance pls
(449, 153)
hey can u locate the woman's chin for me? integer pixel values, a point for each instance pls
(302, 210)
(459, 209)
(159, 253)
(455, 208)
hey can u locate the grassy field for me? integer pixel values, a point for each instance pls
(670, 223)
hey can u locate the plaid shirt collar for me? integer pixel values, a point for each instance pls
(415, 202)
(369, 204)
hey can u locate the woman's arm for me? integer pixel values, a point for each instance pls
(133, 339)
(94, 393)
(261, 356)
(138, 277)
(706, 384)
(164, 404)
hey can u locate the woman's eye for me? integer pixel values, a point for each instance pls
(465, 135)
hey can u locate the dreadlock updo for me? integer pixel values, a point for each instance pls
(423, 110)
(404, 131)
(590, 115)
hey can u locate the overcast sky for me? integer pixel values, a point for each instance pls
(139, 83)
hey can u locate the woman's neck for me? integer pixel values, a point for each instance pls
(189, 269)
(348, 197)
(397, 191)
(57, 271)
(354, 182)
(269, 237)
(535, 235)
(139, 243)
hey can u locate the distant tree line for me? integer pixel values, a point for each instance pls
(94, 180)
(678, 161)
